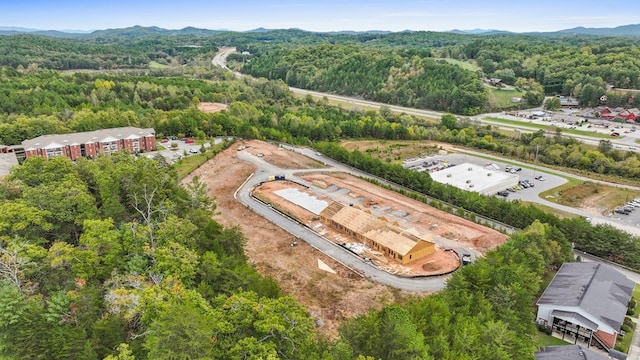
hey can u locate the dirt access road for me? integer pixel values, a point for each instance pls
(329, 298)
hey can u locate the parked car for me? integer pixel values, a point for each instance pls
(189, 141)
(621, 211)
(503, 193)
(193, 151)
(615, 134)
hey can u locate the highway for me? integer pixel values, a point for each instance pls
(625, 142)
(346, 257)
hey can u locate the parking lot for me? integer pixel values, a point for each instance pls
(525, 173)
(630, 218)
(183, 149)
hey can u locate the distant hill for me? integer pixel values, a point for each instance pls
(625, 30)
(141, 31)
(475, 31)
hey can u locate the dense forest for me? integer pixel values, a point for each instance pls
(408, 68)
(418, 76)
(113, 259)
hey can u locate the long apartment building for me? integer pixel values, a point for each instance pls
(91, 143)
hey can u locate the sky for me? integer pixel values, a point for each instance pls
(320, 15)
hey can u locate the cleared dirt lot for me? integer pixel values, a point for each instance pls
(210, 107)
(329, 298)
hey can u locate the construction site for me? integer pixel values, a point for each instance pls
(401, 235)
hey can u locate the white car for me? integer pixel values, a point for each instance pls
(193, 151)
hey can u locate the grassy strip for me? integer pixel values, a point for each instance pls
(636, 296)
(188, 164)
(548, 340)
(559, 213)
(624, 343)
(552, 194)
(157, 65)
(550, 128)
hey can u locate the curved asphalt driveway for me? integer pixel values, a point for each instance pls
(327, 247)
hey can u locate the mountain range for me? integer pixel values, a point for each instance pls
(134, 31)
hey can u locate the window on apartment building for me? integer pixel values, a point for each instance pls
(54, 152)
(136, 145)
(110, 147)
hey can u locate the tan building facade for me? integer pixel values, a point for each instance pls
(401, 245)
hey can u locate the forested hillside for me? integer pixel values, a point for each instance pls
(114, 259)
(412, 76)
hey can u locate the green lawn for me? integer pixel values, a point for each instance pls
(157, 65)
(467, 65)
(559, 213)
(503, 97)
(636, 296)
(548, 128)
(624, 343)
(189, 163)
(548, 340)
(551, 193)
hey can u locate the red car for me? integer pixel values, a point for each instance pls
(189, 141)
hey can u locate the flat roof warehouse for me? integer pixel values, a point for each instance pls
(475, 178)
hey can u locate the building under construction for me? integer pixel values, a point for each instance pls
(403, 245)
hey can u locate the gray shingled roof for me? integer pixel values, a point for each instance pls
(58, 140)
(567, 352)
(598, 289)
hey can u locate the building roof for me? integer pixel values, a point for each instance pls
(567, 352)
(391, 240)
(574, 318)
(7, 161)
(59, 140)
(302, 199)
(598, 289)
(356, 220)
(473, 177)
(360, 222)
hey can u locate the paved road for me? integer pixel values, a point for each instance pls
(220, 59)
(555, 178)
(626, 142)
(325, 246)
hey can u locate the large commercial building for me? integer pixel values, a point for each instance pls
(586, 302)
(92, 143)
(472, 177)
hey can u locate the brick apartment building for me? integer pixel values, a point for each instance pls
(92, 143)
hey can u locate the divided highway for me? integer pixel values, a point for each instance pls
(329, 248)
